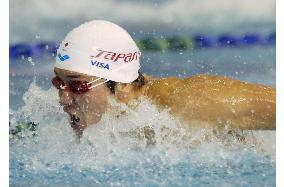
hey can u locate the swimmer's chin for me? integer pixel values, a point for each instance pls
(79, 125)
(78, 128)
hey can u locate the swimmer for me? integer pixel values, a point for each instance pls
(99, 59)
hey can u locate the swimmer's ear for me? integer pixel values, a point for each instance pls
(122, 91)
(123, 87)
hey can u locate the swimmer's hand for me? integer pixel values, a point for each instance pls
(21, 127)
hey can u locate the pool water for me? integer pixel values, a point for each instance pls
(52, 156)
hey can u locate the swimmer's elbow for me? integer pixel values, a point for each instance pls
(259, 119)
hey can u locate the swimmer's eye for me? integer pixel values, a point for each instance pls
(79, 87)
(58, 83)
(75, 86)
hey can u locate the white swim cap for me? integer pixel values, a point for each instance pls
(102, 49)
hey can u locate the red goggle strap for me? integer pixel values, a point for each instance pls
(58, 83)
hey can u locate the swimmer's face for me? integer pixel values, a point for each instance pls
(86, 108)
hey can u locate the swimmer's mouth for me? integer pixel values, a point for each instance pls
(77, 126)
(74, 121)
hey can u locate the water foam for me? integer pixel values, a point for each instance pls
(109, 143)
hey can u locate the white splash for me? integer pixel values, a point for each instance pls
(109, 142)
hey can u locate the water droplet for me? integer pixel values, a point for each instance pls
(30, 59)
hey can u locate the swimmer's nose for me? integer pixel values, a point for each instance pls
(65, 98)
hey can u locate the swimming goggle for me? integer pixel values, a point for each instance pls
(75, 86)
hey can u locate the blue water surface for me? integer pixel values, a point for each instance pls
(209, 164)
(250, 170)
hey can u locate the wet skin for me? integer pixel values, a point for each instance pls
(200, 101)
(83, 109)
(206, 101)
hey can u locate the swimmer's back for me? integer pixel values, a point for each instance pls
(214, 101)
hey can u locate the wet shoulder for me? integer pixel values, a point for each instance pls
(164, 84)
(162, 89)
(215, 82)
(221, 86)
(208, 79)
(173, 85)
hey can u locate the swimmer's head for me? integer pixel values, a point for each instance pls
(96, 60)
(84, 97)
(102, 49)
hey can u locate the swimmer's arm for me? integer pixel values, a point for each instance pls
(253, 114)
(215, 101)
(247, 106)
(220, 102)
